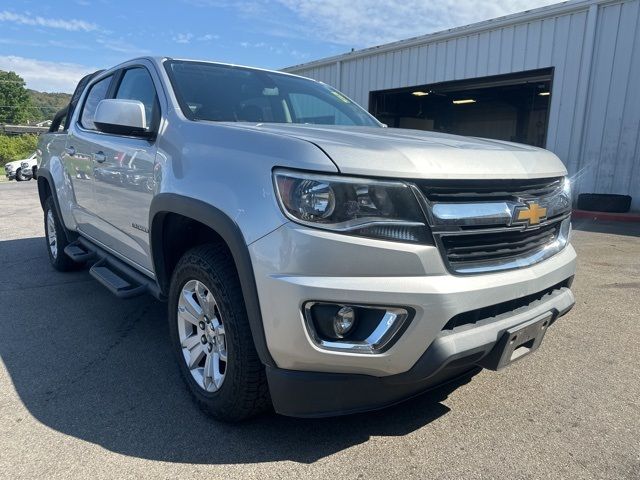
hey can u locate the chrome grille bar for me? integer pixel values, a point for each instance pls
(478, 227)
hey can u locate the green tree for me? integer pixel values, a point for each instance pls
(16, 147)
(15, 103)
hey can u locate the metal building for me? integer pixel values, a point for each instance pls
(565, 77)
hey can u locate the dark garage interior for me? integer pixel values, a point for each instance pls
(511, 107)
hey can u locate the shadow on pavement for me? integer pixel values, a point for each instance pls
(100, 369)
(615, 228)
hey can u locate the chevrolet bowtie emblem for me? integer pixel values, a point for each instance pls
(532, 214)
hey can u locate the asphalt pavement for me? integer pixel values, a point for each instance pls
(89, 388)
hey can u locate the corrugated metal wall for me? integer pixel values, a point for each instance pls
(594, 47)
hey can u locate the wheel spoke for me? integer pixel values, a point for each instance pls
(217, 376)
(195, 356)
(191, 341)
(223, 354)
(203, 298)
(207, 376)
(191, 305)
(187, 316)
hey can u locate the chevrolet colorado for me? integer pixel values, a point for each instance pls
(312, 260)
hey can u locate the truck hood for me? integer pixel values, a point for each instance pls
(400, 153)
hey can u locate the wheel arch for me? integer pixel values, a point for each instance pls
(46, 189)
(165, 207)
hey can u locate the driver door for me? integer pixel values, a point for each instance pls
(124, 180)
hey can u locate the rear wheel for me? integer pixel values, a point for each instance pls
(56, 238)
(211, 336)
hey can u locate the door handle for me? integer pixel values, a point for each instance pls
(99, 157)
(70, 151)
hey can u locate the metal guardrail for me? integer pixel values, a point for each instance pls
(22, 129)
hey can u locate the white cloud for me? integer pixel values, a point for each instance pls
(362, 23)
(183, 38)
(48, 43)
(46, 76)
(208, 37)
(71, 24)
(121, 46)
(278, 49)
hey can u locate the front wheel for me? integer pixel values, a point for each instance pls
(19, 176)
(56, 238)
(211, 336)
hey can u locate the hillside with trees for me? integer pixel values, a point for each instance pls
(19, 105)
(47, 104)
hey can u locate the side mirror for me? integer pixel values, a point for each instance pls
(122, 117)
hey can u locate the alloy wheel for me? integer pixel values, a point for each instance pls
(51, 234)
(202, 335)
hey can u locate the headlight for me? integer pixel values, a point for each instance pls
(8, 167)
(566, 188)
(379, 209)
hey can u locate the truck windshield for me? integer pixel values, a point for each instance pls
(225, 93)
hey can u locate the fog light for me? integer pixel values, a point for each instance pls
(369, 329)
(344, 321)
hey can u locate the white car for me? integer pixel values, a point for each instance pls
(22, 170)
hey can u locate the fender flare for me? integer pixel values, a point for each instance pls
(44, 176)
(229, 231)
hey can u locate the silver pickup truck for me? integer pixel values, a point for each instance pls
(312, 260)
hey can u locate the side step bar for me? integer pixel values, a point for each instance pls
(118, 277)
(78, 253)
(116, 280)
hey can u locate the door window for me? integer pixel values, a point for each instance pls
(137, 84)
(97, 93)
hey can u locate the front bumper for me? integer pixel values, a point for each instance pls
(294, 265)
(453, 354)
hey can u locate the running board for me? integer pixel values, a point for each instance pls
(77, 252)
(116, 280)
(115, 275)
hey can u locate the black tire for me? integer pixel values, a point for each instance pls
(19, 176)
(60, 261)
(244, 392)
(604, 202)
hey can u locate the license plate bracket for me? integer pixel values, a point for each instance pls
(517, 342)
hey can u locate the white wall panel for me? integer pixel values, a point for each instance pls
(594, 118)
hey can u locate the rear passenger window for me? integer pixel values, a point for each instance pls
(137, 84)
(97, 93)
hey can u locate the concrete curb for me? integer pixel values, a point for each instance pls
(606, 216)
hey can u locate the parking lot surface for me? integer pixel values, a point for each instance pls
(89, 388)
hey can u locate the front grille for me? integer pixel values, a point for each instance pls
(498, 245)
(483, 190)
(476, 226)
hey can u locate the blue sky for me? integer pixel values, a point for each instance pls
(52, 44)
